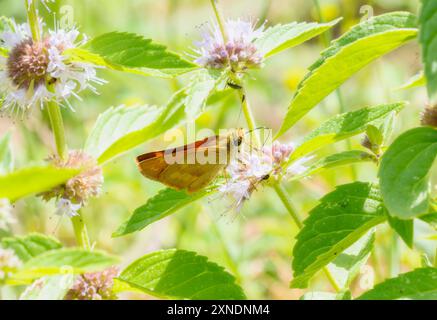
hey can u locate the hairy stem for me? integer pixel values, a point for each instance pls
(32, 16)
(58, 128)
(80, 231)
(279, 189)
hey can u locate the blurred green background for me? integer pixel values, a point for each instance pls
(256, 245)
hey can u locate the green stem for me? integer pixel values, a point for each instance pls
(279, 189)
(32, 16)
(282, 194)
(219, 20)
(57, 127)
(80, 231)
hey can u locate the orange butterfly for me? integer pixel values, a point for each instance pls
(191, 167)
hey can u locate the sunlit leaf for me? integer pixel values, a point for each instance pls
(180, 274)
(53, 262)
(33, 180)
(336, 160)
(344, 126)
(30, 245)
(358, 47)
(165, 203)
(169, 116)
(49, 288)
(420, 284)
(342, 218)
(347, 265)
(134, 51)
(418, 80)
(115, 123)
(404, 172)
(428, 39)
(281, 37)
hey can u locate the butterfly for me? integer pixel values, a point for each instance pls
(191, 167)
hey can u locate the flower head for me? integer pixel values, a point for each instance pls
(239, 52)
(5, 213)
(250, 169)
(73, 194)
(8, 262)
(35, 72)
(429, 116)
(94, 286)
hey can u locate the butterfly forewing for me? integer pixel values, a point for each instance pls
(190, 167)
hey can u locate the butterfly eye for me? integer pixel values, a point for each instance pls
(238, 141)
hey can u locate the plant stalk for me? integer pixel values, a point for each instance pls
(57, 127)
(220, 20)
(32, 16)
(80, 231)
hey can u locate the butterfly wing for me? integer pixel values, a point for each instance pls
(180, 174)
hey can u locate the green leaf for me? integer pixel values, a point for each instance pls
(134, 51)
(420, 284)
(281, 37)
(30, 245)
(84, 56)
(180, 274)
(6, 160)
(404, 228)
(428, 40)
(342, 218)
(404, 172)
(169, 117)
(430, 218)
(348, 264)
(202, 86)
(49, 288)
(357, 48)
(344, 126)
(165, 203)
(336, 160)
(72, 260)
(28, 181)
(116, 123)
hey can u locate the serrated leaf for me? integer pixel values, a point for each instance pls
(182, 275)
(115, 123)
(404, 172)
(72, 260)
(336, 160)
(30, 245)
(357, 48)
(420, 284)
(163, 204)
(6, 160)
(344, 126)
(85, 56)
(134, 51)
(49, 288)
(281, 37)
(347, 265)
(169, 116)
(201, 87)
(404, 228)
(33, 180)
(342, 218)
(428, 40)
